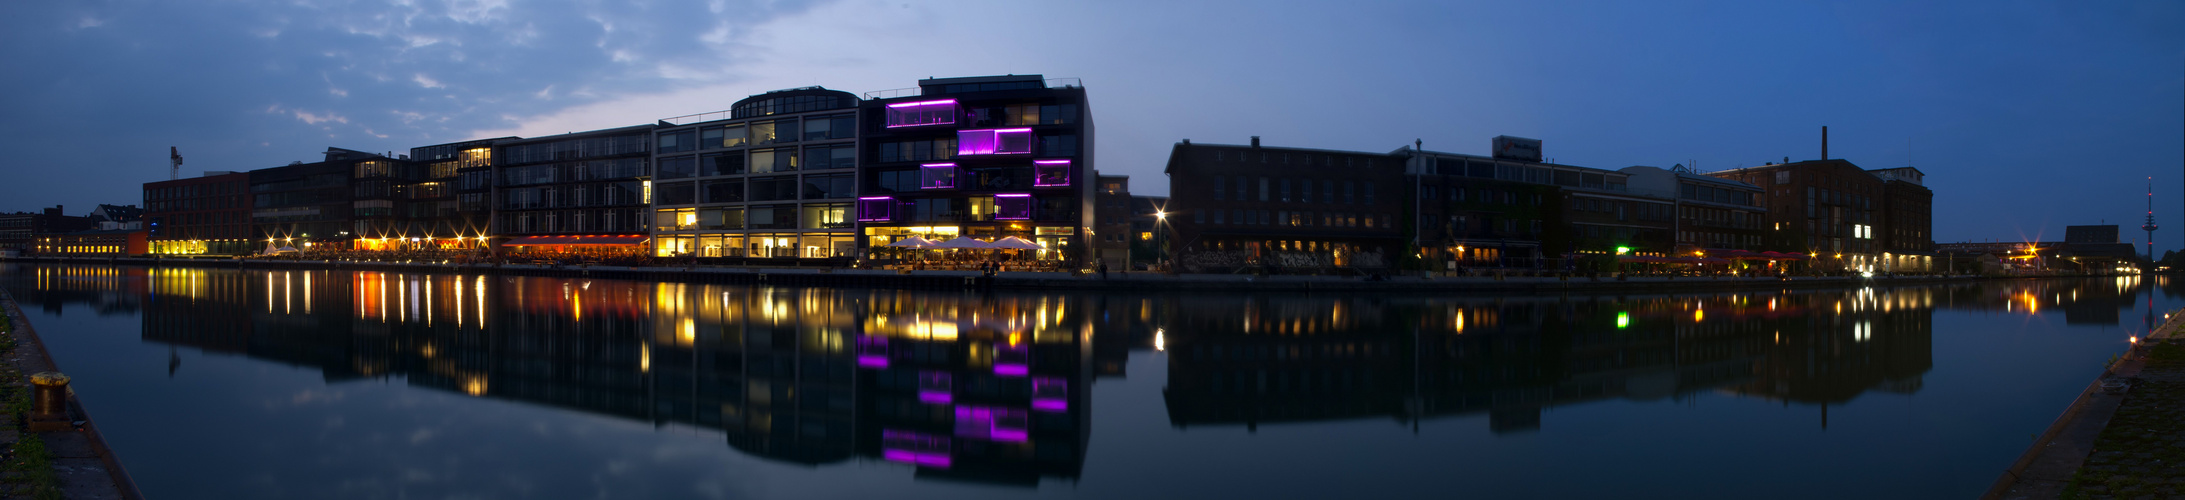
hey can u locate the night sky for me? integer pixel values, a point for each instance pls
(2026, 116)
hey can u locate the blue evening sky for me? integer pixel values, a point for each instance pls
(2026, 116)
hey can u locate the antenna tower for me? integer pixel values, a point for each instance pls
(2150, 225)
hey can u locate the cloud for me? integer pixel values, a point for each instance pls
(427, 82)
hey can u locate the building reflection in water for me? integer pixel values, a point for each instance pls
(986, 388)
(995, 387)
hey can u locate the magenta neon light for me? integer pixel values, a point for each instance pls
(938, 165)
(994, 141)
(1050, 405)
(876, 198)
(922, 103)
(1013, 195)
(935, 397)
(872, 361)
(1011, 370)
(1051, 162)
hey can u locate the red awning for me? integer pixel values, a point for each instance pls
(577, 240)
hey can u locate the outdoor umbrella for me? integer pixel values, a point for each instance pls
(913, 242)
(1014, 243)
(963, 242)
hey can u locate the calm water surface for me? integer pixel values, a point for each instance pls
(337, 384)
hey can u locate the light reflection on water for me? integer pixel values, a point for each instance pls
(857, 391)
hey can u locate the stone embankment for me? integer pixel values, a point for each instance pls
(61, 455)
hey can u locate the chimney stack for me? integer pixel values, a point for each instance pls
(1824, 142)
(1255, 141)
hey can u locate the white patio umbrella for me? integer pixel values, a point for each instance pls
(963, 242)
(1014, 243)
(913, 242)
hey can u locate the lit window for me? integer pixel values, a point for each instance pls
(1005, 141)
(912, 114)
(1054, 173)
(876, 209)
(937, 176)
(1012, 206)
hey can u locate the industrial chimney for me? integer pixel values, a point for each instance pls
(1824, 142)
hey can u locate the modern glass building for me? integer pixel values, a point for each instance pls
(774, 177)
(583, 192)
(984, 157)
(207, 215)
(307, 205)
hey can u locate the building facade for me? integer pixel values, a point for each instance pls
(26, 232)
(305, 205)
(1711, 212)
(583, 192)
(774, 177)
(1284, 209)
(1149, 230)
(461, 172)
(1513, 210)
(983, 157)
(1833, 211)
(1908, 243)
(1112, 219)
(209, 215)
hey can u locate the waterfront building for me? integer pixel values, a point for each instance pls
(208, 215)
(112, 241)
(461, 172)
(773, 177)
(1711, 213)
(1112, 219)
(981, 157)
(308, 205)
(1512, 209)
(1908, 243)
(27, 232)
(583, 192)
(1296, 209)
(1832, 210)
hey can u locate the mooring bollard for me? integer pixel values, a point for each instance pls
(49, 402)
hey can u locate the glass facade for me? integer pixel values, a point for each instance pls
(772, 181)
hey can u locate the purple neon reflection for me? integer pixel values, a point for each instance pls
(872, 361)
(935, 397)
(1011, 370)
(875, 209)
(1050, 404)
(914, 448)
(1012, 195)
(1052, 162)
(1048, 394)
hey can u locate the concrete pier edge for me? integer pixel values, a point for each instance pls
(2063, 455)
(27, 336)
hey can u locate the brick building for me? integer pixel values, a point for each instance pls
(208, 215)
(1290, 209)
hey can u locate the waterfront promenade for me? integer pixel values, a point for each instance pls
(2120, 437)
(1483, 281)
(73, 463)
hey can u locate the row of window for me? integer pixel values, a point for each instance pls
(1296, 219)
(759, 161)
(574, 221)
(576, 149)
(978, 142)
(1286, 158)
(583, 195)
(785, 216)
(1009, 206)
(810, 187)
(1533, 174)
(1281, 190)
(814, 128)
(596, 170)
(193, 191)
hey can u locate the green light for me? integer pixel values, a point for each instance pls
(1623, 319)
(1623, 250)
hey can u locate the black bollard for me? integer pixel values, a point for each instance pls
(49, 402)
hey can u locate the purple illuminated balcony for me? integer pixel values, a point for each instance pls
(915, 114)
(872, 351)
(876, 209)
(998, 424)
(1047, 173)
(1050, 394)
(937, 176)
(1015, 206)
(914, 448)
(1004, 141)
(936, 387)
(1012, 361)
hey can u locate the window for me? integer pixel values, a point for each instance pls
(1220, 185)
(827, 216)
(1218, 219)
(772, 217)
(876, 209)
(1350, 192)
(912, 114)
(1369, 192)
(937, 176)
(1197, 216)
(678, 167)
(1305, 191)
(1051, 173)
(774, 160)
(721, 164)
(1012, 206)
(819, 128)
(774, 188)
(677, 193)
(994, 141)
(721, 218)
(829, 186)
(1263, 189)
(774, 131)
(1058, 145)
(673, 142)
(829, 157)
(1285, 190)
(721, 191)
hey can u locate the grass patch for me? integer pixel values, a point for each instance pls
(29, 466)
